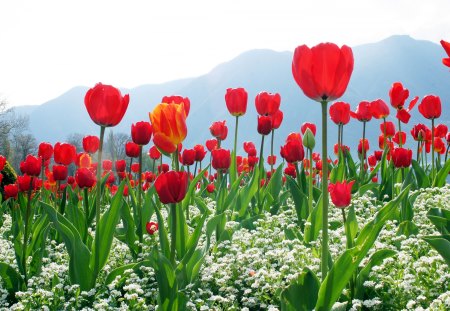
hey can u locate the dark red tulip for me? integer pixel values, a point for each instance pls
(341, 193)
(292, 151)
(132, 150)
(264, 125)
(200, 152)
(401, 157)
(91, 144)
(2, 162)
(363, 145)
(267, 103)
(380, 110)
(135, 167)
(151, 227)
(446, 46)
(372, 160)
(310, 126)
(236, 100)
(252, 160)
(120, 165)
(64, 153)
(45, 151)
(251, 152)
(363, 112)
(211, 144)
(105, 105)
(418, 132)
(323, 71)
(430, 107)
(219, 130)
(154, 153)
(210, 188)
(85, 178)
(399, 135)
(31, 166)
(164, 168)
(378, 154)
(221, 159)
(171, 186)
(188, 157)
(24, 183)
(11, 191)
(141, 133)
(277, 118)
(60, 172)
(248, 145)
(387, 129)
(107, 165)
(178, 100)
(340, 113)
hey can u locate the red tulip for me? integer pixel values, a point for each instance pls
(292, 151)
(418, 132)
(64, 153)
(363, 112)
(401, 157)
(340, 113)
(151, 227)
(210, 188)
(45, 151)
(164, 168)
(264, 125)
(430, 107)
(267, 103)
(380, 110)
(251, 152)
(341, 193)
(91, 144)
(446, 46)
(439, 145)
(399, 135)
(178, 100)
(60, 172)
(188, 157)
(11, 191)
(363, 145)
(200, 153)
(219, 130)
(271, 160)
(310, 126)
(277, 118)
(120, 165)
(135, 167)
(398, 95)
(372, 160)
(2, 162)
(236, 100)
(343, 148)
(154, 153)
(24, 183)
(83, 160)
(290, 170)
(31, 166)
(132, 150)
(387, 129)
(211, 144)
(323, 72)
(171, 186)
(248, 145)
(105, 105)
(85, 178)
(440, 130)
(378, 154)
(141, 133)
(221, 159)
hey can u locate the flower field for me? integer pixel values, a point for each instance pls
(205, 228)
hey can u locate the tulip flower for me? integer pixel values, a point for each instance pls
(440, 130)
(120, 165)
(211, 144)
(248, 145)
(60, 172)
(106, 105)
(2, 162)
(188, 157)
(363, 112)
(210, 188)
(340, 113)
(267, 103)
(399, 136)
(446, 46)
(363, 147)
(154, 153)
(401, 157)
(341, 193)
(277, 118)
(64, 153)
(221, 159)
(236, 100)
(151, 227)
(31, 166)
(11, 191)
(45, 151)
(310, 126)
(132, 149)
(171, 187)
(178, 100)
(380, 110)
(264, 125)
(388, 129)
(219, 130)
(141, 133)
(91, 144)
(200, 153)
(293, 151)
(169, 126)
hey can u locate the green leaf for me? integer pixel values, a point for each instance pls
(422, 179)
(375, 260)
(246, 194)
(192, 185)
(106, 229)
(441, 244)
(128, 232)
(80, 271)
(407, 228)
(442, 174)
(301, 294)
(346, 264)
(162, 232)
(314, 222)
(352, 222)
(299, 198)
(440, 218)
(337, 173)
(12, 280)
(233, 171)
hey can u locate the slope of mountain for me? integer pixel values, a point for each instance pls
(417, 64)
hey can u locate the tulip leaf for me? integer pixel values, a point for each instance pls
(352, 222)
(12, 281)
(422, 179)
(127, 234)
(192, 185)
(162, 232)
(347, 263)
(300, 199)
(301, 294)
(233, 169)
(314, 222)
(352, 174)
(375, 260)
(440, 218)
(441, 244)
(246, 194)
(80, 272)
(442, 174)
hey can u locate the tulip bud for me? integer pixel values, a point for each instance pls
(308, 139)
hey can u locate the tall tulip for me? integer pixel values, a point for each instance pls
(364, 114)
(446, 46)
(398, 95)
(91, 143)
(323, 73)
(178, 100)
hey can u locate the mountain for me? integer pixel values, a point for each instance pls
(416, 63)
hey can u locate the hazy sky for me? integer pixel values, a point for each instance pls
(49, 46)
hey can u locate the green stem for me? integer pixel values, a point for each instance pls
(173, 232)
(418, 151)
(26, 233)
(446, 153)
(324, 261)
(261, 170)
(97, 207)
(271, 149)
(310, 184)
(86, 212)
(400, 142)
(233, 173)
(189, 181)
(363, 153)
(349, 245)
(140, 229)
(432, 151)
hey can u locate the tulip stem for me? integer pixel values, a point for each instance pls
(400, 142)
(86, 212)
(271, 150)
(25, 234)
(233, 173)
(432, 151)
(173, 233)
(310, 183)
(324, 261)
(139, 205)
(349, 245)
(363, 153)
(446, 153)
(97, 207)
(261, 170)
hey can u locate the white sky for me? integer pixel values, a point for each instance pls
(49, 46)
